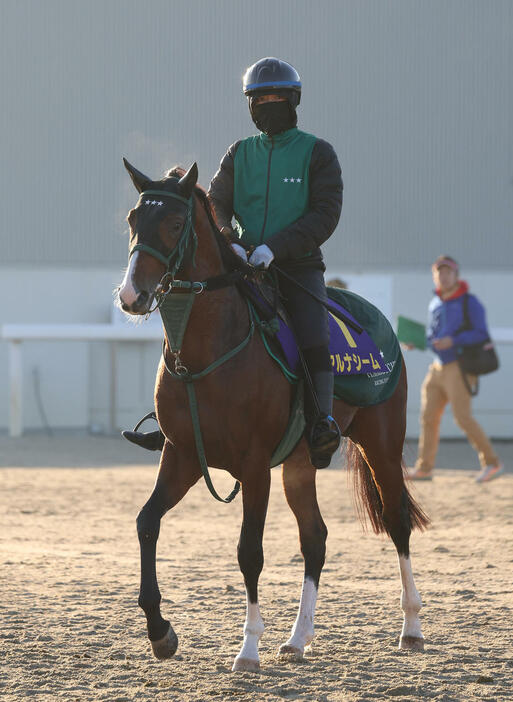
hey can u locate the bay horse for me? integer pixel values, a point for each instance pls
(243, 409)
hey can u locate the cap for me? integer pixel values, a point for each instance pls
(445, 261)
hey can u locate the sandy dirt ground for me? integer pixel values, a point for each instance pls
(70, 628)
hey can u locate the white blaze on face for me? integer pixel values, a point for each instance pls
(127, 292)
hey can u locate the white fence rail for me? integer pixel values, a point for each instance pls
(17, 334)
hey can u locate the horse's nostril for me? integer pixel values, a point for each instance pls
(142, 297)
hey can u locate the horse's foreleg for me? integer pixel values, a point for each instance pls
(299, 484)
(174, 480)
(255, 496)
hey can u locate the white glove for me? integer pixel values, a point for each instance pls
(240, 251)
(262, 254)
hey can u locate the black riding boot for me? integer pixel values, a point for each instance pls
(322, 432)
(151, 440)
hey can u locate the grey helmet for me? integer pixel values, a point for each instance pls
(272, 76)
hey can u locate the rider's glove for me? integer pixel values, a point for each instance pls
(261, 255)
(240, 251)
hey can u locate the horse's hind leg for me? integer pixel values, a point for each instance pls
(255, 496)
(299, 485)
(176, 476)
(379, 433)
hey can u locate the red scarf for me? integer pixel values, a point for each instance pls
(460, 290)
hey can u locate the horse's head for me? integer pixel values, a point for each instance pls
(161, 235)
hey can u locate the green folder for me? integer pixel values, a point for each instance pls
(411, 332)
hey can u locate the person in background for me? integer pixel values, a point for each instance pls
(444, 381)
(336, 283)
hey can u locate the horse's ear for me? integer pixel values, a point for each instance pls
(140, 181)
(189, 180)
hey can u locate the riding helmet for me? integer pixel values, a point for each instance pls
(272, 76)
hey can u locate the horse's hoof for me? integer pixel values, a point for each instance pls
(291, 652)
(166, 646)
(411, 643)
(246, 664)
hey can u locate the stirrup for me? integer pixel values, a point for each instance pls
(150, 415)
(152, 441)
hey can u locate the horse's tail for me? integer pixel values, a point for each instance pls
(368, 500)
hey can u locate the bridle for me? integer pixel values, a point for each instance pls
(187, 244)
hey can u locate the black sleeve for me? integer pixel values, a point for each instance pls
(220, 192)
(311, 230)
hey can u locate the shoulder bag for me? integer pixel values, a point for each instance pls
(475, 359)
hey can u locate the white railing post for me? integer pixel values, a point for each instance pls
(15, 388)
(113, 387)
(16, 334)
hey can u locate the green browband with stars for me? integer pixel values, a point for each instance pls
(188, 236)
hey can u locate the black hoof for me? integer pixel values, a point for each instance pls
(166, 646)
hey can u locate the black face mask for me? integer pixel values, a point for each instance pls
(273, 117)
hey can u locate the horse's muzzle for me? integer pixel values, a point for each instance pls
(140, 305)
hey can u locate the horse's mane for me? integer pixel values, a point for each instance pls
(228, 255)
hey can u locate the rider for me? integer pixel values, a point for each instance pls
(283, 188)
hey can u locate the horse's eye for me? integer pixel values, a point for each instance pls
(177, 226)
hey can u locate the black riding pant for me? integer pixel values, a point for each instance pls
(309, 318)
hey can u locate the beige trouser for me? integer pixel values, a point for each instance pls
(441, 385)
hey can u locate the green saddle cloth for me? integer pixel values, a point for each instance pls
(370, 388)
(358, 390)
